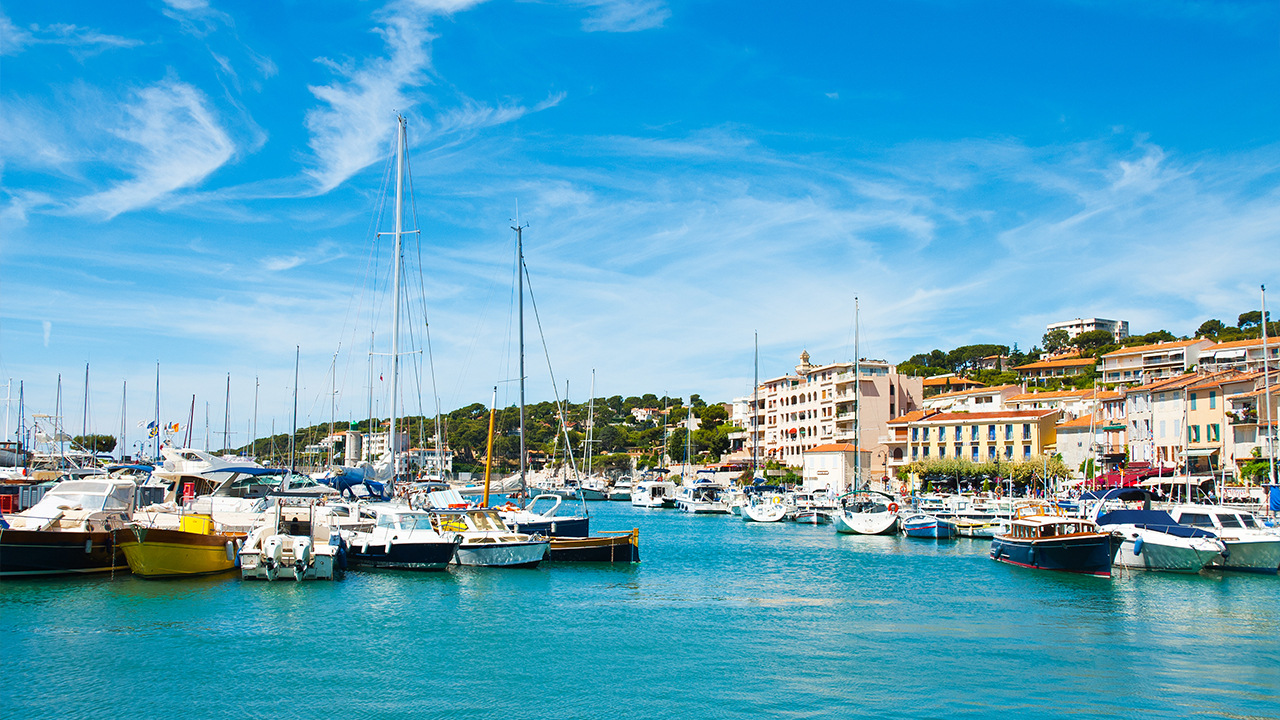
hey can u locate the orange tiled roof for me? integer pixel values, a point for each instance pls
(1138, 349)
(835, 447)
(974, 391)
(949, 379)
(1066, 362)
(1055, 395)
(1239, 344)
(1083, 421)
(912, 416)
(951, 418)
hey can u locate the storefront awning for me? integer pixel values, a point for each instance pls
(1200, 452)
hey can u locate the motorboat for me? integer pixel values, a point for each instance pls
(621, 489)
(869, 512)
(392, 536)
(734, 498)
(486, 539)
(923, 525)
(1250, 546)
(1153, 540)
(701, 499)
(978, 527)
(1042, 536)
(179, 545)
(298, 541)
(812, 516)
(764, 507)
(542, 516)
(595, 488)
(74, 528)
(654, 494)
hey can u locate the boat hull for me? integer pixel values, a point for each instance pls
(1251, 556)
(622, 547)
(867, 523)
(931, 528)
(813, 517)
(1087, 554)
(60, 552)
(765, 512)
(554, 527)
(1155, 555)
(502, 554)
(160, 552)
(431, 556)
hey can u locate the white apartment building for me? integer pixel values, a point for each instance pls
(1072, 403)
(984, 399)
(1148, 363)
(832, 467)
(1119, 329)
(815, 406)
(1241, 355)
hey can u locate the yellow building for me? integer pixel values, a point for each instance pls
(1004, 436)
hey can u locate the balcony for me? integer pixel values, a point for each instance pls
(1247, 416)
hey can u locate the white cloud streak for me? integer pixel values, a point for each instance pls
(623, 15)
(83, 42)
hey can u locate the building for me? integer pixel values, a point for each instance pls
(1072, 403)
(1248, 423)
(992, 362)
(1057, 368)
(998, 436)
(1145, 364)
(752, 424)
(1077, 441)
(948, 383)
(832, 467)
(375, 445)
(815, 406)
(643, 415)
(1119, 329)
(983, 399)
(1241, 355)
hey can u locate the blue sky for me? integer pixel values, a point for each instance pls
(195, 183)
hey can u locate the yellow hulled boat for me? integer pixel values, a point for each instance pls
(191, 546)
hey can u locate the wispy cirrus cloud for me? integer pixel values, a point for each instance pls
(83, 42)
(623, 15)
(173, 139)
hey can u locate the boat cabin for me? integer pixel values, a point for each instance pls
(1055, 528)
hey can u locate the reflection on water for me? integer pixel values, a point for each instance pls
(723, 619)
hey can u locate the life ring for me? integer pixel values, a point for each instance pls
(893, 507)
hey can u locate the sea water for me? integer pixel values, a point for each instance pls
(722, 619)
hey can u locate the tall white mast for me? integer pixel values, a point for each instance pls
(1266, 395)
(395, 294)
(857, 405)
(755, 402)
(124, 396)
(293, 436)
(524, 488)
(591, 419)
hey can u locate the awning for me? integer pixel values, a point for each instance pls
(1233, 354)
(1200, 452)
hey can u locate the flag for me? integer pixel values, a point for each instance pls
(153, 432)
(173, 428)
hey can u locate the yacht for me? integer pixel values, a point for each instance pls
(72, 529)
(1043, 537)
(486, 539)
(654, 494)
(868, 512)
(701, 499)
(1250, 546)
(764, 507)
(383, 535)
(1153, 540)
(621, 489)
(542, 516)
(298, 541)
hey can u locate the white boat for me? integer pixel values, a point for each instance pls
(762, 507)
(868, 513)
(701, 499)
(1250, 546)
(72, 529)
(653, 494)
(383, 535)
(621, 490)
(487, 541)
(735, 498)
(299, 542)
(1153, 540)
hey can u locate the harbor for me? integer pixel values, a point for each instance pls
(722, 619)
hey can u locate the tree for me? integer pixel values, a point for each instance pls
(1055, 340)
(1249, 319)
(712, 414)
(675, 445)
(1092, 340)
(1210, 329)
(96, 443)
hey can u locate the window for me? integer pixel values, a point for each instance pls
(1193, 401)
(959, 431)
(1026, 431)
(1162, 428)
(1213, 400)
(925, 434)
(1026, 452)
(959, 451)
(1229, 521)
(915, 435)
(1008, 432)
(1193, 432)
(926, 451)
(1214, 432)
(974, 455)
(991, 452)
(973, 433)
(942, 451)
(1008, 452)
(1195, 520)
(915, 453)
(991, 433)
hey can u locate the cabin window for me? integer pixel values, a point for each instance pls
(1196, 520)
(1229, 521)
(1248, 520)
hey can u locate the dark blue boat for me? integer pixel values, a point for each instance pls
(1044, 539)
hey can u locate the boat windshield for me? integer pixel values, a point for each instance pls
(1248, 520)
(487, 521)
(413, 521)
(85, 495)
(1196, 520)
(1229, 521)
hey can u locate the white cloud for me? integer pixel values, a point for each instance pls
(84, 42)
(623, 15)
(48, 330)
(174, 140)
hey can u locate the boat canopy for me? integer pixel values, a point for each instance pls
(91, 495)
(1127, 493)
(1157, 520)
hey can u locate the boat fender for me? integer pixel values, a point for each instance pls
(1031, 558)
(893, 507)
(387, 550)
(1137, 546)
(231, 551)
(553, 528)
(88, 546)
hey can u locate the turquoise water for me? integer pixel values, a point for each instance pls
(723, 619)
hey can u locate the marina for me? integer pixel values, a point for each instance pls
(837, 623)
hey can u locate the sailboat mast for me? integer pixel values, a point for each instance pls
(297, 357)
(191, 420)
(253, 451)
(333, 401)
(755, 404)
(591, 420)
(157, 425)
(524, 487)
(57, 417)
(226, 417)
(124, 423)
(488, 455)
(1266, 395)
(395, 294)
(84, 427)
(857, 395)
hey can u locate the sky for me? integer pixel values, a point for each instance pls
(198, 185)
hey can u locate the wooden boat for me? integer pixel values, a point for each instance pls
(616, 546)
(920, 525)
(1043, 537)
(75, 528)
(179, 546)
